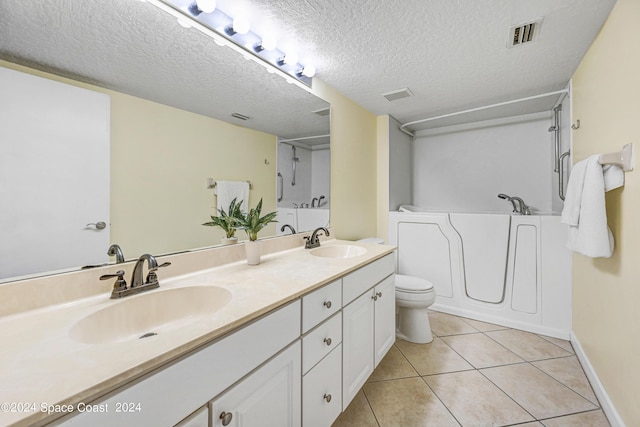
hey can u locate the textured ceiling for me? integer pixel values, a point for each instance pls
(452, 54)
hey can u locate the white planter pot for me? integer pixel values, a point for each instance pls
(229, 240)
(253, 252)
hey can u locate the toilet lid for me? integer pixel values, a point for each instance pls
(412, 284)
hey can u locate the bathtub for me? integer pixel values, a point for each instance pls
(511, 270)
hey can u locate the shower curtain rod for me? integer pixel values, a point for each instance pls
(500, 104)
(303, 138)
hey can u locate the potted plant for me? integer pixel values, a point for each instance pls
(228, 221)
(252, 223)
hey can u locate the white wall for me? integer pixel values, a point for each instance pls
(400, 165)
(463, 168)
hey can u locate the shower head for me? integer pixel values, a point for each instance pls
(504, 196)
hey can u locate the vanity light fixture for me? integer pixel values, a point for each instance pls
(236, 33)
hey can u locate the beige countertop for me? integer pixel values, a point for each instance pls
(41, 365)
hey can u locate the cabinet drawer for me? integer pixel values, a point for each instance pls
(319, 342)
(322, 391)
(320, 304)
(356, 283)
(200, 418)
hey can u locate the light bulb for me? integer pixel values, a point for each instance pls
(309, 71)
(207, 6)
(184, 23)
(268, 42)
(240, 25)
(289, 58)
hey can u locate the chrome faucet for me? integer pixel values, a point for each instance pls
(320, 200)
(120, 289)
(313, 241)
(293, 230)
(519, 206)
(115, 250)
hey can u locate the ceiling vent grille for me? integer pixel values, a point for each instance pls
(524, 33)
(398, 94)
(240, 116)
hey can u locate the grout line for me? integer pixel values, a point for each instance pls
(565, 385)
(507, 394)
(441, 401)
(370, 407)
(574, 413)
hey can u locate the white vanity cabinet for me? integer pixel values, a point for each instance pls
(368, 322)
(269, 397)
(200, 418)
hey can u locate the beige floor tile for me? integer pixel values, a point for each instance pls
(393, 366)
(527, 345)
(479, 402)
(407, 402)
(585, 419)
(569, 372)
(443, 324)
(358, 413)
(433, 358)
(532, 424)
(481, 351)
(483, 326)
(537, 392)
(563, 344)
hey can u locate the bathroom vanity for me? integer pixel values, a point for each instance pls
(289, 343)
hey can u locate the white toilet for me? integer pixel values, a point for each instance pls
(413, 297)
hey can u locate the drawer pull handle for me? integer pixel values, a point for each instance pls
(327, 398)
(379, 294)
(328, 341)
(327, 304)
(226, 417)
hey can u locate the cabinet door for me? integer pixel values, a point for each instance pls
(357, 344)
(269, 397)
(200, 418)
(322, 392)
(385, 314)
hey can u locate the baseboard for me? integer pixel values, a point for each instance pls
(603, 397)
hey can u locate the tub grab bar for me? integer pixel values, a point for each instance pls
(561, 176)
(280, 187)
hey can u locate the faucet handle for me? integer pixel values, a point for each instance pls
(152, 277)
(120, 284)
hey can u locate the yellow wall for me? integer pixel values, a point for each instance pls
(383, 176)
(160, 159)
(353, 165)
(606, 292)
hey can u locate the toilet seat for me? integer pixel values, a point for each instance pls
(412, 285)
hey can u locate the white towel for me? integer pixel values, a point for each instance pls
(585, 212)
(229, 190)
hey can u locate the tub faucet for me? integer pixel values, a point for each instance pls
(519, 206)
(313, 202)
(117, 251)
(293, 230)
(320, 200)
(313, 241)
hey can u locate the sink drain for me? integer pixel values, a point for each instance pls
(147, 335)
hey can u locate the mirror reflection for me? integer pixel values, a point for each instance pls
(166, 133)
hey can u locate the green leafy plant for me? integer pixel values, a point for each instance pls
(228, 221)
(252, 222)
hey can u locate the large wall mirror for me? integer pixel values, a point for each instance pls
(176, 108)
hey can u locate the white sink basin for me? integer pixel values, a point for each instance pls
(338, 251)
(149, 313)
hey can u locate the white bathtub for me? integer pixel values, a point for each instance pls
(511, 270)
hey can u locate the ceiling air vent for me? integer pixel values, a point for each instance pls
(240, 116)
(322, 112)
(524, 33)
(397, 94)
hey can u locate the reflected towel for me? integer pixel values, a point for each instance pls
(229, 190)
(585, 212)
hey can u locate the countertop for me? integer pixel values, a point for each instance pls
(42, 366)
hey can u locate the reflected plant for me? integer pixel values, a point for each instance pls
(228, 221)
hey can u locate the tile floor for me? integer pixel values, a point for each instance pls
(476, 374)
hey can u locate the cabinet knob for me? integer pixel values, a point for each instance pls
(379, 294)
(226, 417)
(327, 304)
(375, 297)
(327, 398)
(327, 340)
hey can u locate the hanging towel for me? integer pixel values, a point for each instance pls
(229, 190)
(584, 209)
